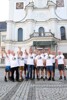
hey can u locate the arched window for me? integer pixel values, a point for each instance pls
(20, 34)
(63, 33)
(41, 31)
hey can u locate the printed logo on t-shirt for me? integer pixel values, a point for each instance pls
(49, 57)
(60, 57)
(22, 58)
(44, 55)
(14, 58)
(53, 58)
(40, 58)
(31, 57)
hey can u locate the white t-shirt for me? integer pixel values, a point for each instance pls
(21, 60)
(14, 61)
(25, 58)
(60, 59)
(45, 55)
(39, 60)
(30, 59)
(7, 59)
(34, 55)
(49, 61)
(53, 58)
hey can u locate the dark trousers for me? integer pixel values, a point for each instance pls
(30, 72)
(17, 73)
(54, 69)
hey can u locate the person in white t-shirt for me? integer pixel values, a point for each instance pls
(6, 56)
(49, 65)
(30, 63)
(44, 55)
(60, 62)
(21, 65)
(34, 55)
(40, 65)
(14, 65)
(54, 61)
(25, 63)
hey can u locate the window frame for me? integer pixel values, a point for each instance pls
(63, 33)
(41, 31)
(3, 38)
(20, 34)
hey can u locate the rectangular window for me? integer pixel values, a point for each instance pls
(3, 38)
(2, 61)
(3, 48)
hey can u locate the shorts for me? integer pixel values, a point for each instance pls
(21, 68)
(7, 68)
(61, 67)
(40, 68)
(49, 68)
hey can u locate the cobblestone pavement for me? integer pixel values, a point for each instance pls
(33, 90)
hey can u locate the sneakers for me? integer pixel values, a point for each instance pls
(64, 77)
(60, 78)
(38, 78)
(53, 79)
(43, 79)
(46, 77)
(5, 79)
(49, 78)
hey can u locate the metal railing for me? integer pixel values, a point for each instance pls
(36, 34)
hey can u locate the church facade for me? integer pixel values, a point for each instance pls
(37, 23)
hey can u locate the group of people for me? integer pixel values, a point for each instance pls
(37, 63)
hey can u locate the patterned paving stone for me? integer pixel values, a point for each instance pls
(33, 90)
(51, 93)
(22, 91)
(11, 91)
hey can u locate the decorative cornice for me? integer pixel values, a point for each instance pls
(35, 21)
(31, 40)
(10, 21)
(51, 3)
(63, 41)
(31, 4)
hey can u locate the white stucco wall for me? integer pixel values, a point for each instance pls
(19, 14)
(16, 14)
(62, 47)
(40, 3)
(36, 15)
